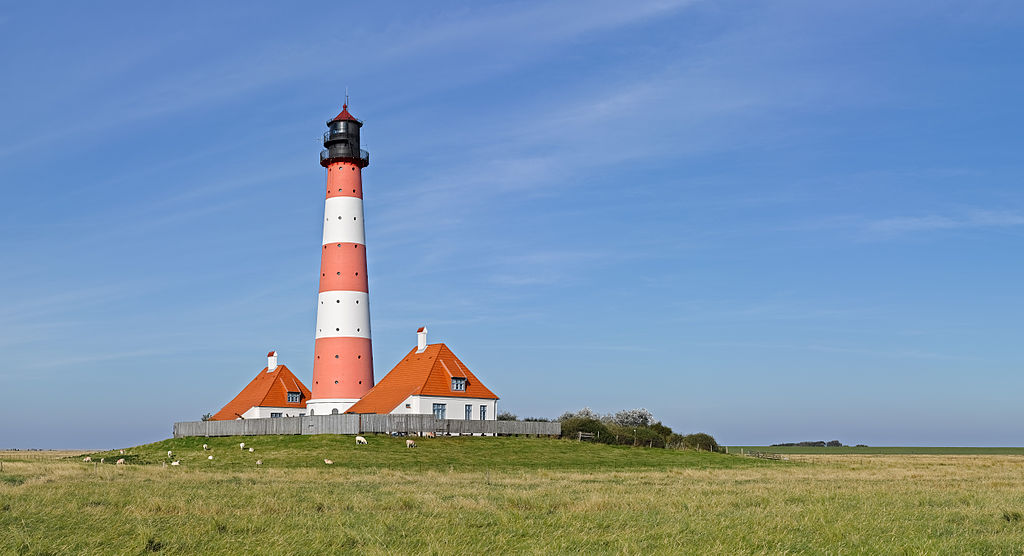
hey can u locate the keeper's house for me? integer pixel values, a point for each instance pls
(275, 392)
(430, 379)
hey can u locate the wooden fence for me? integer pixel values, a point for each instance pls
(359, 424)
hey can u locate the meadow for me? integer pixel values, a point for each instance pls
(518, 495)
(891, 450)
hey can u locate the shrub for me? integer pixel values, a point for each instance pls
(207, 416)
(507, 416)
(573, 426)
(537, 419)
(700, 441)
(661, 429)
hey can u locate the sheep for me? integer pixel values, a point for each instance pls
(205, 447)
(87, 458)
(430, 434)
(169, 454)
(410, 443)
(241, 445)
(251, 450)
(103, 460)
(120, 461)
(259, 462)
(175, 463)
(329, 462)
(122, 452)
(209, 457)
(360, 440)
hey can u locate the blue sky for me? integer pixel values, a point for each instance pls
(770, 221)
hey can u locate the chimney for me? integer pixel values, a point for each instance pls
(421, 339)
(271, 361)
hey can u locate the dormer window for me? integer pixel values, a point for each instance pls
(293, 397)
(458, 384)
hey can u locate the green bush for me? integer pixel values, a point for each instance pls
(571, 427)
(700, 441)
(507, 416)
(636, 436)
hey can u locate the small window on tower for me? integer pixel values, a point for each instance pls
(275, 415)
(458, 384)
(293, 397)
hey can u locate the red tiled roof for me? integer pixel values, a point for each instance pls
(421, 329)
(268, 389)
(344, 115)
(421, 374)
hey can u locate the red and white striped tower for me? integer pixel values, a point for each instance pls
(343, 360)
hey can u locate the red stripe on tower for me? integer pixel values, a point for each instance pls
(343, 356)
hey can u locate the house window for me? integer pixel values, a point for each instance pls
(439, 410)
(483, 412)
(273, 415)
(469, 412)
(408, 406)
(293, 397)
(334, 411)
(458, 384)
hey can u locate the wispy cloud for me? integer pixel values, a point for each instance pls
(935, 222)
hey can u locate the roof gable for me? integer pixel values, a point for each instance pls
(421, 374)
(267, 389)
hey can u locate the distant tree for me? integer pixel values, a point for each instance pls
(207, 416)
(507, 416)
(537, 419)
(638, 417)
(585, 413)
(834, 444)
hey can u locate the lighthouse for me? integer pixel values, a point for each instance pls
(343, 358)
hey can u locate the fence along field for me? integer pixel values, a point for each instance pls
(359, 424)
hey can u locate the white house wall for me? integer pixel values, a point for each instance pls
(455, 407)
(261, 412)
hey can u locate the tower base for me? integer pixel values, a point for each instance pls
(329, 406)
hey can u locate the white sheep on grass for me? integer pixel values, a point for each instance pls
(241, 445)
(87, 458)
(120, 461)
(360, 440)
(175, 463)
(205, 447)
(410, 443)
(329, 462)
(251, 450)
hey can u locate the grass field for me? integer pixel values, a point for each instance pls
(509, 495)
(890, 450)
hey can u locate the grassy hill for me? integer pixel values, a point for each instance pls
(443, 453)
